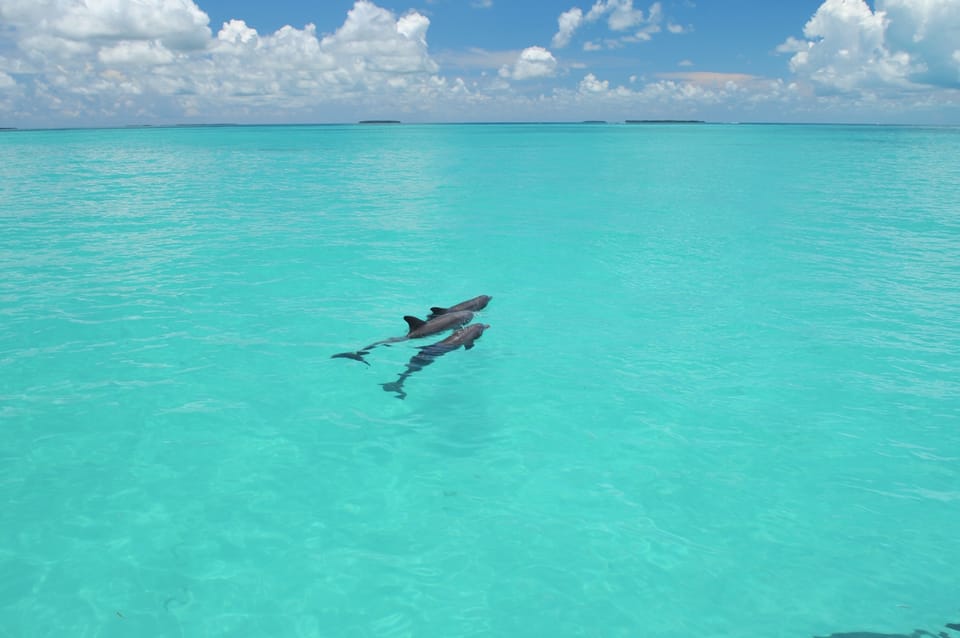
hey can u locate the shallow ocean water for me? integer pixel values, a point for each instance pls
(720, 394)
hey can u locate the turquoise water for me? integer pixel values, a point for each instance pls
(720, 394)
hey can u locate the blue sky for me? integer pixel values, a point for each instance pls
(117, 62)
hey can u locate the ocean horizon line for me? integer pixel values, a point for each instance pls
(395, 123)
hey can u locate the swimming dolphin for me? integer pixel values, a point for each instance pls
(418, 329)
(477, 303)
(427, 354)
(918, 633)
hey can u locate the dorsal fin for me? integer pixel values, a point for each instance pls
(438, 311)
(413, 322)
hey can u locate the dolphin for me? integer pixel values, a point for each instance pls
(477, 303)
(919, 633)
(418, 329)
(427, 354)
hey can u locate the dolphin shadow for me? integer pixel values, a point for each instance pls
(429, 354)
(917, 633)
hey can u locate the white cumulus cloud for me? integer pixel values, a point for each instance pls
(590, 84)
(621, 16)
(136, 53)
(95, 58)
(848, 47)
(533, 62)
(568, 23)
(928, 31)
(373, 39)
(237, 32)
(90, 62)
(178, 24)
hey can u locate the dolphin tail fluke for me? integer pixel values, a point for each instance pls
(395, 386)
(356, 356)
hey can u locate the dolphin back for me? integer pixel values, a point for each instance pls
(442, 323)
(477, 303)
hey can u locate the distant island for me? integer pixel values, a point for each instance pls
(594, 122)
(379, 122)
(209, 125)
(666, 122)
